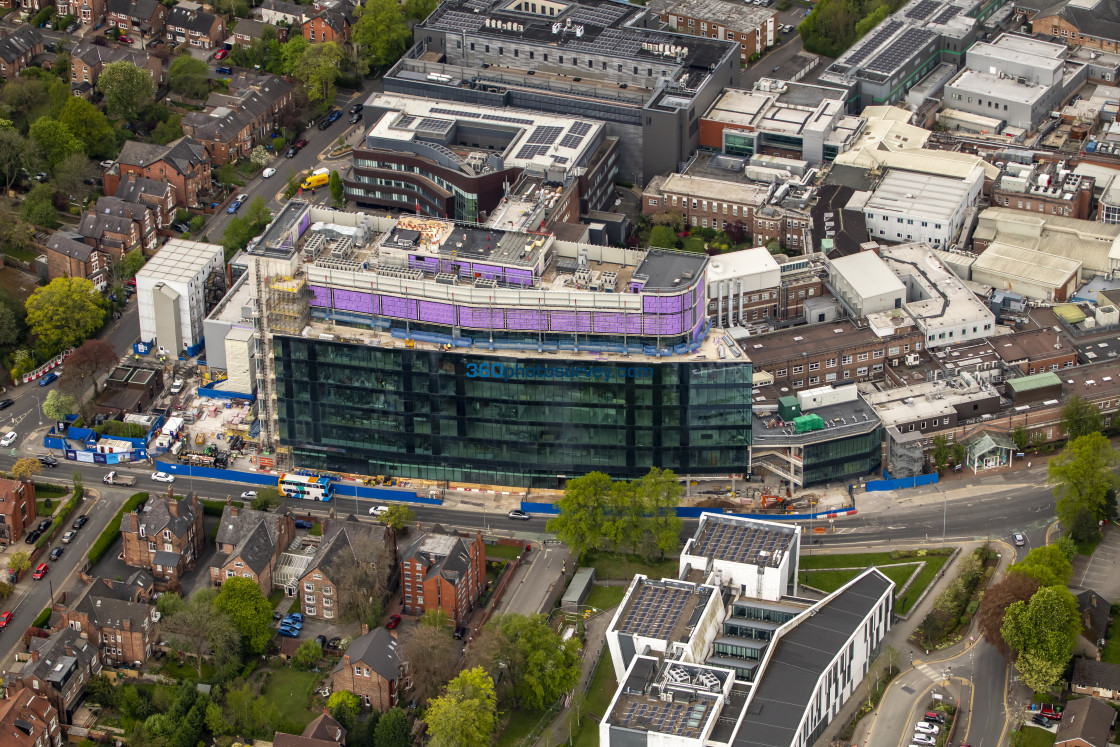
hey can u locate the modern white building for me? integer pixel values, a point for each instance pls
(756, 558)
(736, 277)
(910, 206)
(171, 294)
(865, 284)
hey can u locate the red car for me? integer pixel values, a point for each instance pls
(1051, 714)
(124, 39)
(221, 54)
(5, 618)
(394, 621)
(131, 282)
(301, 143)
(40, 571)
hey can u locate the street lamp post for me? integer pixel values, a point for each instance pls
(40, 404)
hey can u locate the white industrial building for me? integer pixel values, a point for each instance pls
(1030, 273)
(1094, 244)
(734, 277)
(171, 294)
(865, 284)
(910, 206)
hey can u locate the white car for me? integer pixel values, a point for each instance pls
(243, 197)
(163, 477)
(268, 172)
(378, 510)
(8, 439)
(68, 537)
(926, 728)
(177, 386)
(923, 739)
(249, 494)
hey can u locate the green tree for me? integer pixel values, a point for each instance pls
(1082, 476)
(392, 729)
(467, 714)
(168, 129)
(959, 452)
(337, 193)
(247, 607)
(38, 208)
(659, 493)
(132, 263)
(19, 561)
(126, 88)
(940, 453)
(13, 155)
(541, 666)
(344, 707)
(90, 126)
(266, 499)
(291, 52)
(194, 628)
(9, 326)
(318, 70)
(188, 77)
(1048, 565)
(1083, 527)
(1042, 633)
(398, 517)
(382, 33)
(662, 236)
(26, 468)
(307, 654)
(582, 513)
(64, 313)
(436, 618)
(432, 656)
(1021, 437)
(1080, 418)
(1068, 548)
(72, 175)
(260, 157)
(419, 9)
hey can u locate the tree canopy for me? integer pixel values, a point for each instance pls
(382, 34)
(64, 313)
(318, 70)
(58, 405)
(53, 141)
(188, 77)
(38, 208)
(247, 607)
(126, 88)
(466, 715)
(1013, 587)
(90, 126)
(1042, 633)
(541, 666)
(1048, 565)
(1082, 476)
(1080, 418)
(91, 358)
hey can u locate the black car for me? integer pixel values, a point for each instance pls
(321, 640)
(356, 118)
(1041, 721)
(80, 522)
(6, 403)
(356, 108)
(460, 632)
(48, 461)
(57, 553)
(33, 535)
(44, 525)
(292, 152)
(330, 119)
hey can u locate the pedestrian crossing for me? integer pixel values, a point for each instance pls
(929, 671)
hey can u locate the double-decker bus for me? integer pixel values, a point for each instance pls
(306, 487)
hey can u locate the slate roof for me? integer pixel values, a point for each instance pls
(192, 20)
(52, 653)
(290, 9)
(325, 727)
(111, 606)
(253, 534)
(182, 154)
(143, 9)
(445, 554)
(93, 54)
(1101, 20)
(156, 516)
(96, 226)
(121, 208)
(132, 188)
(1090, 673)
(340, 535)
(19, 42)
(1087, 719)
(376, 649)
(295, 740)
(334, 17)
(1094, 610)
(250, 28)
(224, 127)
(849, 227)
(69, 247)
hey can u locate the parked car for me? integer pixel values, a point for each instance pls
(330, 119)
(1041, 721)
(297, 616)
(288, 631)
(221, 54)
(33, 535)
(519, 514)
(223, 70)
(40, 571)
(9, 438)
(234, 207)
(44, 524)
(356, 108)
(124, 39)
(291, 152)
(926, 728)
(80, 521)
(1051, 713)
(303, 524)
(163, 477)
(48, 461)
(177, 386)
(355, 118)
(322, 641)
(69, 537)
(394, 621)
(72, 28)
(461, 632)
(924, 739)
(1019, 538)
(301, 143)
(268, 173)
(934, 717)
(5, 618)
(292, 623)
(56, 553)
(48, 379)
(6, 403)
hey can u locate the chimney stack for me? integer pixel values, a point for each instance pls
(173, 506)
(34, 654)
(365, 628)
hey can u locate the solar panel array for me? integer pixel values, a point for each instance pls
(654, 611)
(923, 9)
(661, 717)
(406, 121)
(456, 113)
(501, 118)
(432, 124)
(603, 15)
(455, 20)
(900, 50)
(571, 141)
(612, 41)
(741, 544)
(947, 15)
(884, 32)
(532, 151)
(544, 135)
(579, 128)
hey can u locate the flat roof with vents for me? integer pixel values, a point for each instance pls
(1037, 381)
(665, 609)
(738, 540)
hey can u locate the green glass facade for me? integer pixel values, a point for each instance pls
(844, 458)
(463, 417)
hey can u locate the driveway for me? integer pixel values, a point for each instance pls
(1098, 571)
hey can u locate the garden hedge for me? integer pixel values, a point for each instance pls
(109, 535)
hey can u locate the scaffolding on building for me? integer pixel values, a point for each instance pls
(216, 288)
(289, 308)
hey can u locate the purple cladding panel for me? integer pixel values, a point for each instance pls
(618, 324)
(481, 318)
(304, 223)
(636, 287)
(320, 296)
(427, 264)
(439, 313)
(661, 304)
(521, 319)
(571, 321)
(487, 271)
(359, 301)
(445, 266)
(399, 308)
(519, 277)
(668, 324)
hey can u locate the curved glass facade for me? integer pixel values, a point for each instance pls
(504, 420)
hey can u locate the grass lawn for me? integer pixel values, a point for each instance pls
(625, 566)
(1032, 736)
(291, 690)
(855, 560)
(823, 574)
(188, 671)
(1111, 652)
(46, 490)
(506, 552)
(829, 580)
(934, 565)
(276, 597)
(295, 606)
(1083, 548)
(605, 597)
(41, 508)
(521, 722)
(598, 700)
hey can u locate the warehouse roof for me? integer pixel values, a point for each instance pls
(868, 274)
(1038, 381)
(1020, 263)
(914, 193)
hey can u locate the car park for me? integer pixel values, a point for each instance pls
(394, 621)
(5, 619)
(926, 728)
(1020, 539)
(268, 173)
(234, 207)
(80, 521)
(40, 571)
(56, 553)
(163, 477)
(519, 514)
(69, 537)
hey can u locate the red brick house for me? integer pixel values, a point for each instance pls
(17, 49)
(156, 195)
(194, 27)
(164, 537)
(116, 227)
(86, 12)
(324, 731)
(1086, 722)
(117, 616)
(69, 257)
(318, 587)
(331, 25)
(88, 60)
(58, 668)
(143, 17)
(183, 163)
(249, 545)
(235, 122)
(27, 719)
(443, 570)
(371, 669)
(17, 509)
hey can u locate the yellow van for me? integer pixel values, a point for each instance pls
(318, 178)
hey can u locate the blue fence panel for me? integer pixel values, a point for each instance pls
(216, 473)
(694, 512)
(54, 442)
(210, 391)
(81, 434)
(901, 483)
(385, 494)
(539, 508)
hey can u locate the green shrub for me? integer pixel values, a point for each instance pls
(75, 210)
(120, 429)
(972, 607)
(215, 508)
(43, 618)
(108, 537)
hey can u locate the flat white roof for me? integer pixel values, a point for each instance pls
(912, 193)
(946, 298)
(1017, 262)
(868, 274)
(715, 189)
(996, 87)
(180, 260)
(755, 261)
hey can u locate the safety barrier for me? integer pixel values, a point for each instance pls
(53, 363)
(901, 483)
(693, 512)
